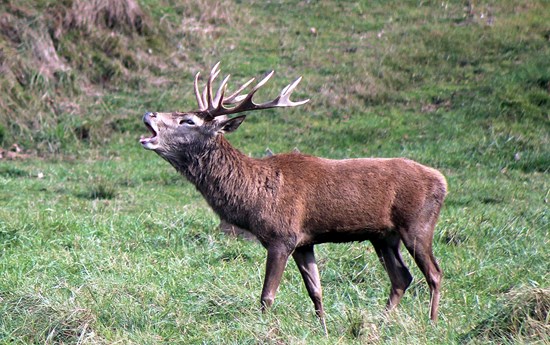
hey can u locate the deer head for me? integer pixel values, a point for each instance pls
(179, 130)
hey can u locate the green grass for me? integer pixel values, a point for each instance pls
(102, 242)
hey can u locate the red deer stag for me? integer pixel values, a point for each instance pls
(293, 201)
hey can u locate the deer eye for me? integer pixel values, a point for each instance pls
(187, 122)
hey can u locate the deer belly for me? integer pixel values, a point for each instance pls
(347, 225)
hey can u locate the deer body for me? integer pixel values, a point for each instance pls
(291, 202)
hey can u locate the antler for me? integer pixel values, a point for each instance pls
(216, 105)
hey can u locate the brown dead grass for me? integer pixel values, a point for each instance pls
(122, 15)
(29, 37)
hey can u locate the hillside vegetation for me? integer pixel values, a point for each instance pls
(102, 242)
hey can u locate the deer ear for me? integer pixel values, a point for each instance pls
(231, 124)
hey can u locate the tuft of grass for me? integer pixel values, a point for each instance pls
(98, 189)
(44, 321)
(11, 171)
(126, 16)
(524, 313)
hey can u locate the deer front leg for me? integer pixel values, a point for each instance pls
(277, 256)
(305, 260)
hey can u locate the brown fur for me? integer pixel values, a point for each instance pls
(291, 202)
(315, 200)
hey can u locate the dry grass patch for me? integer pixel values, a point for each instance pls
(53, 54)
(523, 313)
(125, 15)
(39, 321)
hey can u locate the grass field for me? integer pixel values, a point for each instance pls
(102, 242)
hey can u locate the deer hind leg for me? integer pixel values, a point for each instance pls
(400, 277)
(305, 260)
(418, 241)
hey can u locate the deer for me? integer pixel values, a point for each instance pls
(293, 201)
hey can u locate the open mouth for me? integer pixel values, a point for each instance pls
(151, 141)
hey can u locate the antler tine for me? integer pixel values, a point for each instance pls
(218, 100)
(213, 74)
(284, 98)
(197, 92)
(261, 83)
(235, 97)
(205, 97)
(247, 103)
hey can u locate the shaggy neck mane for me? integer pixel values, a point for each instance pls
(232, 183)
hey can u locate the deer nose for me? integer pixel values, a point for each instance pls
(148, 115)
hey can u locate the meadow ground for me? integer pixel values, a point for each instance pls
(102, 242)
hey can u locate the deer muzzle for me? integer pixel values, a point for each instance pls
(151, 142)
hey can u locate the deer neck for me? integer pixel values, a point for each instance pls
(225, 177)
